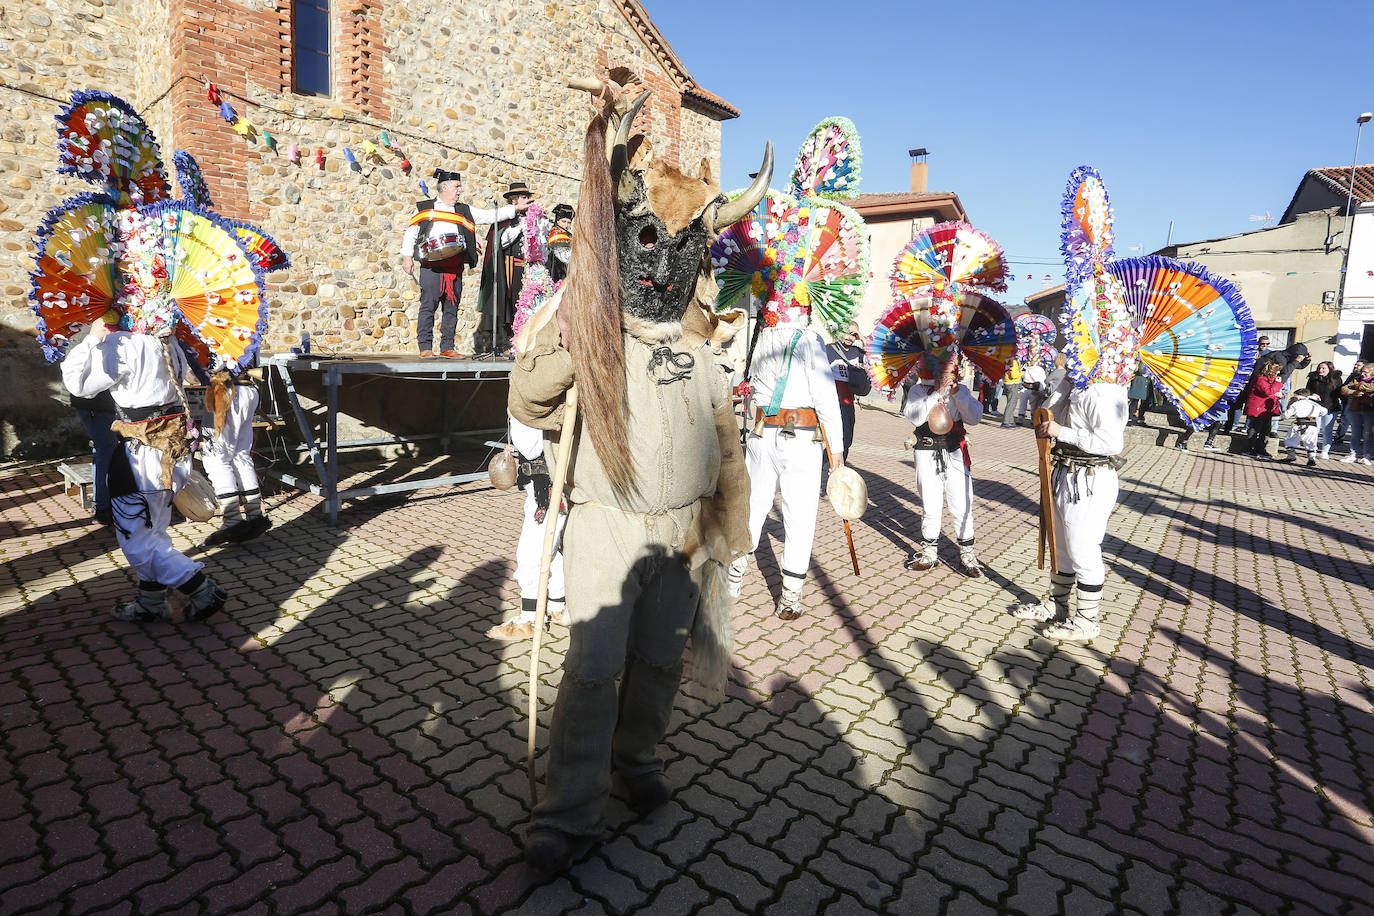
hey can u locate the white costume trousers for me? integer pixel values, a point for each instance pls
(954, 487)
(141, 520)
(228, 456)
(530, 549)
(791, 465)
(1081, 524)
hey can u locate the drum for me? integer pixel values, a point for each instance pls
(441, 247)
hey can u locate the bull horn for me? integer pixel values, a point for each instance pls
(733, 211)
(620, 151)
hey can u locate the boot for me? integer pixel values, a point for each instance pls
(148, 605)
(790, 604)
(1053, 607)
(922, 559)
(207, 598)
(968, 561)
(734, 577)
(1083, 626)
(647, 693)
(232, 515)
(1076, 629)
(548, 850)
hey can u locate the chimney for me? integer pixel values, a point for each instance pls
(918, 169)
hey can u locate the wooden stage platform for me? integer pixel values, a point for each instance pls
(286, 369)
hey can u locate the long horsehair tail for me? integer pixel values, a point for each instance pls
(594, 324)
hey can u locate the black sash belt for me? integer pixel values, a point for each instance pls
(140, 414)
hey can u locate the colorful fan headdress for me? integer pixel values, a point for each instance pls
(802, 252)
(1086, 232)
(1191, 330)
(940, 283)
(162, 265)
(100, 138)
(1035, 340)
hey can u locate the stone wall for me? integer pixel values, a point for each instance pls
(48, 49)
(471, 85)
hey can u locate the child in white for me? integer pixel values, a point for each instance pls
(228, 458)
(1305, 410)
(529, 444)
(942, 469)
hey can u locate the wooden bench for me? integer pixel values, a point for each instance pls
(79, 478)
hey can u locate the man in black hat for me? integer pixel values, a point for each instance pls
(560, 242)
(500, 292)
(442, 237)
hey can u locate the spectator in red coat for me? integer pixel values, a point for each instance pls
(1262, 405)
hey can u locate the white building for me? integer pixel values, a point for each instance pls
(1355, 325)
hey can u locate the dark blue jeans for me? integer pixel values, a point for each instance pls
(103, 442)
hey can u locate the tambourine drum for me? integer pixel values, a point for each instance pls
(442, 247)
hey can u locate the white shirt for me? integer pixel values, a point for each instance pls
(1093, 418)
(132, 367)
(1308, 408)
(480, 217)
(810, 382)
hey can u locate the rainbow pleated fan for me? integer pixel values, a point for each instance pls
(1197, 336)
(987, 334)
(745, 255)
(829, 162)
(904, 341)
(1086, 232)
(76, 279)
(949, 254)
(192, 180)
(101, 139)
(1035, 336)
(207, 274)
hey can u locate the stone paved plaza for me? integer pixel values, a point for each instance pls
(344, 740)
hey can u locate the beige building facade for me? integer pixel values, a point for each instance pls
(476, 86)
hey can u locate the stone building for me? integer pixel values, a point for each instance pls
(471, 85)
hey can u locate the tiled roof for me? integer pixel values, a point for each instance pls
(1335, 179)
(1338, 178)
(896, 197)
(638, 17)
(1059, 290)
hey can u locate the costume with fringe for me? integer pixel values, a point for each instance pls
(644, 562)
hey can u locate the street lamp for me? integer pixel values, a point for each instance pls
(1360, 122)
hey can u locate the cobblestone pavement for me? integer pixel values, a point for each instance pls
(343, 739)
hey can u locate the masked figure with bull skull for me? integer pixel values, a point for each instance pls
(656, 486)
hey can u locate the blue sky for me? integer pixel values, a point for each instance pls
(1204, 113)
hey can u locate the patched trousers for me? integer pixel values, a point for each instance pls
(631, 602)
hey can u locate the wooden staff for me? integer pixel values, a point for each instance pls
(560, 474)
(1044, 444)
